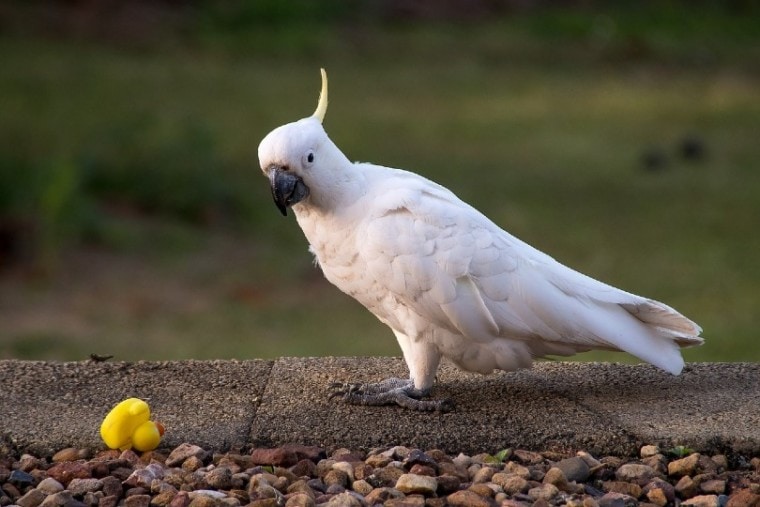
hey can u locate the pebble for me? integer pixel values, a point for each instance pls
(301, 476)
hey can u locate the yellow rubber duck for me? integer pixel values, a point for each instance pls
(128, 426)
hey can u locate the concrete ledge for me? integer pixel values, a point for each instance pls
(599, 407)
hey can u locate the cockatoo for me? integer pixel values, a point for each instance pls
(448, 281)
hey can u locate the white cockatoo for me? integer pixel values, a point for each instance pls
(446, 279)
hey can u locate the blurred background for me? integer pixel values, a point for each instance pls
(622, 138)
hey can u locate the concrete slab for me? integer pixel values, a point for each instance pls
(46, 406)
(599, 407)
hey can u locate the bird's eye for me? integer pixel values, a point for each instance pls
(310, 157)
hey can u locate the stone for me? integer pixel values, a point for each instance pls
(382, 495)
(338, 477)
(575, 469)
(511, 484)
(467, 499)
(345, 467)
(420, 484)
(50, 486)
(79, 487)
(556, 477)
(515, 468)
(613, 499)
(483, 475)
(686, 487)
(385, 477)
(484, 490)
(143, 477)
(409, 501)
(32, 498)
(743, 498)
(626, 488)
(543, 492)
(112, 486)
(21, 479)
(65, 471)
(417, 457)
(684, 466)
(344, 500)
(713, 486)
(220, 478)
(702, 501)
(287, 455)
(665, 487)
(61, 499)
(527, 457)
(657, 496)
(447, 484)
(67, 454)
(418, 469)
(109, 501)
(362, 487)
(183, 452)
(300, 500)
(378, 460)
(181, 499)
(649, 450)
(634, 472)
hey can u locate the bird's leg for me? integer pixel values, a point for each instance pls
(392, 391)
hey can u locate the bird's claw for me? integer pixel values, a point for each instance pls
(391, 391)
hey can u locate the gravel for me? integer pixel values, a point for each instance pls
(300, 476)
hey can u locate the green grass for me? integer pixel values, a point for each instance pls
(158, 235)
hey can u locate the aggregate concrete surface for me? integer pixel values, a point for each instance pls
(603, 408)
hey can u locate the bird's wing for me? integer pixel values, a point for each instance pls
(461, 272)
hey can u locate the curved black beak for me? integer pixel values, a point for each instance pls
(287, 188)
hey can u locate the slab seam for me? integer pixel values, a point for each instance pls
(248, 440)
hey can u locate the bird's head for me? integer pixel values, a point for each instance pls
(298, 156)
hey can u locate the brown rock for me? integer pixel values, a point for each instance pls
(511, 484)
(686, 487)
(684, 466)
(468, 499)
(137, 501)
(613, 499)
(67, 454)
(304, 468)
(713, 486)
(416, 484)
(108, 501)
(378, 460)
(32, 498)
(163, 499)
(409, 501)
(575, 468)
(381, 495)
(517, 469)
(79, 487)
(338, 477)
(703, 501)
(648, 451)
(220, 478)
(300, 500)
(181, 499)
(544, 492)
(555, 476)
(636, 473)
(626, 488)
(344, 500)
(66, 470)
(447, 484)
(657, 496)
(287, 455)
(667, 489)
(418, 469)
(112, 486)
(744, 498)
(184, 451)
(482, 489)
(527, 457)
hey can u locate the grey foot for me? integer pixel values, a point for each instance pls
(392, 391)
